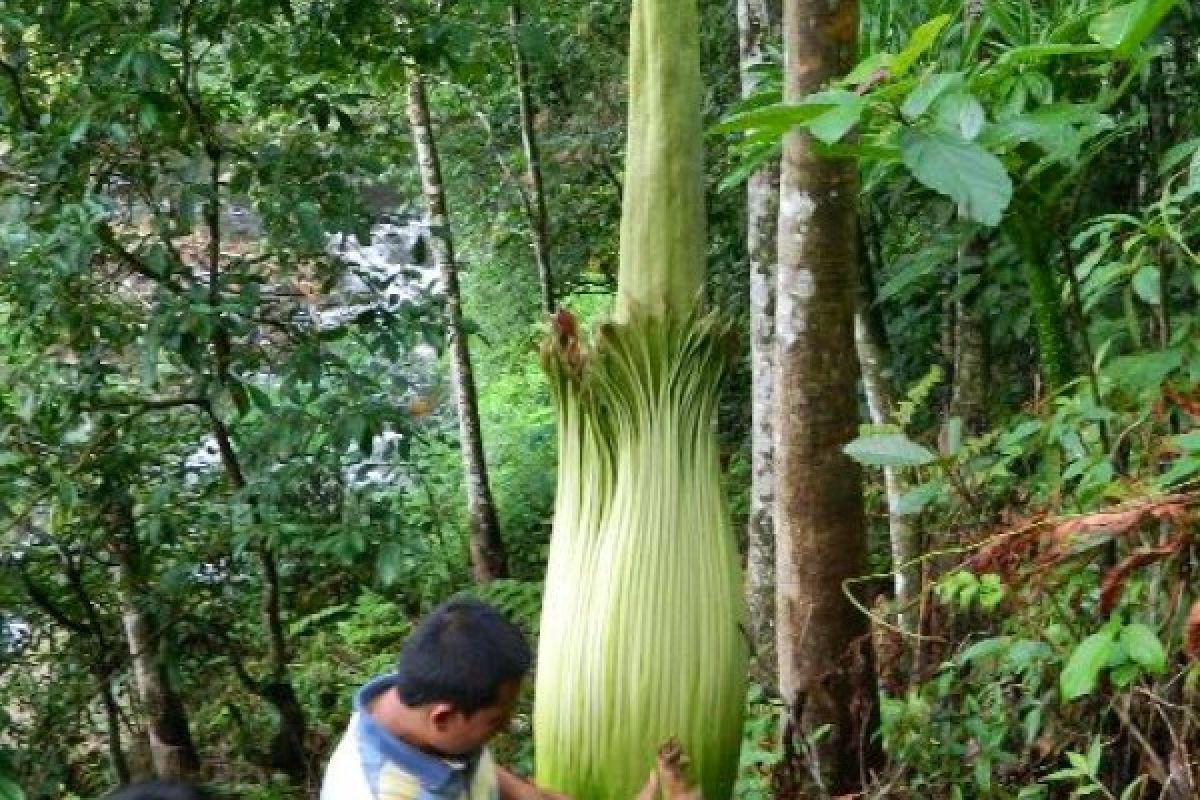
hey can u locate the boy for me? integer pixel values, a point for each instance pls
(420, 732)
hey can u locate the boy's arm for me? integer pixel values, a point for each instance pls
(513, 788)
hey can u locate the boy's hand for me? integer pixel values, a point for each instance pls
(513, 788)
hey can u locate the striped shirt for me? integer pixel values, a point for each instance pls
(372, 764)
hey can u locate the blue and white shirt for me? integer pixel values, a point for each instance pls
(372, 764)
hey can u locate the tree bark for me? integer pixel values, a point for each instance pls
(824, 656)
(171, 748)
(539, 219)
(488, 559)
(758, 23)
(968, 397)
(875, 365)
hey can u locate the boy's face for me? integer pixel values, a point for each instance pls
(455, 733)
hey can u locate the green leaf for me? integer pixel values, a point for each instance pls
(259, 398)
(1142, 645)
(1079, 763)
(832, 125)
(961, 113)
(1060, 130)
(147, 114)
(1188, 442)
(1040, 52)
(1124, 28)
(1146, 284)
(1125, 674)
(888, 450)
(1178, 154)
(961, 170)
(986, 648)
(1132, 790)
(1083, 667)
(1095, 751)
(1143, 372)
(1032, 724)
(921, 40)
(914, 500)
(779, 118)
(866, 68)
(927, 91)
(9, 790)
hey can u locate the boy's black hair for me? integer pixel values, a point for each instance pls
(461, 654)
(159, 790)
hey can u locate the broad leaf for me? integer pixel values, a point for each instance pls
(1146, 284)
(1083, 667)
(961, 170)
(1060, 130)
(1124, 28)
(868, 67)
(832, 125)
(888, 450)
(914, 500)
(927, 91)
(1143, 646)
(961, 113)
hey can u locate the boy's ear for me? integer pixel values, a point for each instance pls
(441, 715)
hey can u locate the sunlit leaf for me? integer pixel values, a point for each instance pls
(888, 450)
(961, 170)
(1082, 671)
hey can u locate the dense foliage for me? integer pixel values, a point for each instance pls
(214, 420)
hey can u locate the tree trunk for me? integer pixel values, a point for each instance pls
(112, 724)
(875, 365)
(758, 23)
(488, 559)
(969, 395)
(539, 220)
(824, 655)
(171, 748)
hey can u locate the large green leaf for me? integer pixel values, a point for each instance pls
(1059, 129)
(1083, 667)
(927, 91)
(888, 450)
(961, 170)
(1142, 645)
(1124, 28)
(961, 113)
